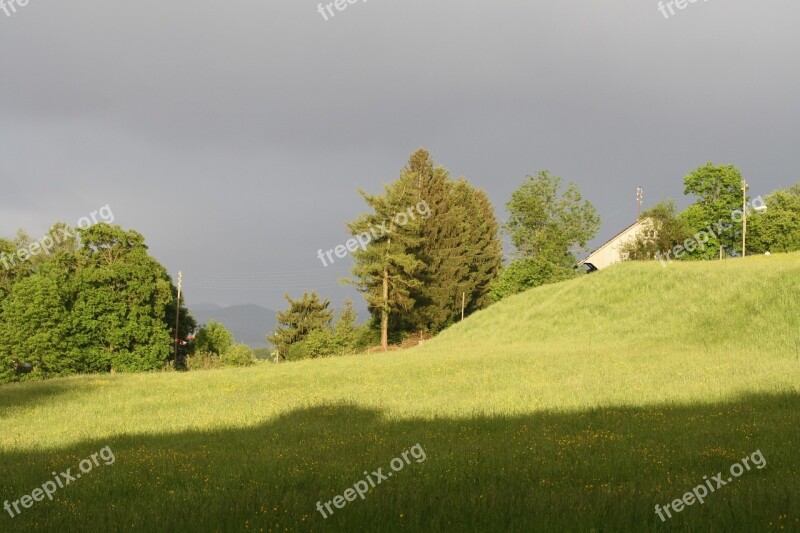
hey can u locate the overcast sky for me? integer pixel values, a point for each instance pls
(234, 134)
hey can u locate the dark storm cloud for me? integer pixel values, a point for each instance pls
(233, 135)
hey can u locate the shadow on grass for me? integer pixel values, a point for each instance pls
(32, 393)
(598, 470)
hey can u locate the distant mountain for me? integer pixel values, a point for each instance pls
(249, 323)
(199, 308)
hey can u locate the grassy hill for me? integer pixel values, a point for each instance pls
(572, 407)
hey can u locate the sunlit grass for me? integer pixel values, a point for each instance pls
(570, 407)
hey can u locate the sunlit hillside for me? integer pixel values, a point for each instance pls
(577, 406)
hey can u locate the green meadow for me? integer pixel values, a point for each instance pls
(576, 406)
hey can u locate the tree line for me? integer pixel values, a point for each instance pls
(421, 276)
(416, 278)
(772, 225)
(98, 302)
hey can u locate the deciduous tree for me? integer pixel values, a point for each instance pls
(550, 225)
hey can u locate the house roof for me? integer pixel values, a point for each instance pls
(612, 239)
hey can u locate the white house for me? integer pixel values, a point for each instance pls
(609, 253)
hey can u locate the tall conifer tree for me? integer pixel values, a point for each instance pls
(450, 256)
(387, 270)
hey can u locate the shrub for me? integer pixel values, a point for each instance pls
(294, 352)
(327, 342)
(214, 338)
(239, 355)
(203, 361)
(263, 353)
(666, 231)
(524, 274)
(368, 337)
(321, 343)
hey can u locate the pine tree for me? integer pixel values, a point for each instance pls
(460, 247)
(482, 250)
(387, 270)
(440, 246)
(303, 316)
(345, 330)
(455, 247)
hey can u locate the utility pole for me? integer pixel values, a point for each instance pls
(177, 316)
(463, 302)
(744, 217)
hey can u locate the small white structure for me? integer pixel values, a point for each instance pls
(609, 253)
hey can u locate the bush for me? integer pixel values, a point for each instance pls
(318, 343)
(263, 353)
(327, 342)
(295, 352)
(203, 361)
(214, 338)
(368, 336)
(667, 230)
(321, 343)
(524, 274)
(239, 355)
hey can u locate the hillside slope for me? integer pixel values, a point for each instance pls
(752, 303)
(571, 407)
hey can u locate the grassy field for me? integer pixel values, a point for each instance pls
(572, 407)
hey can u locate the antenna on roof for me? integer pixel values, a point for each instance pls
(639, 198)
